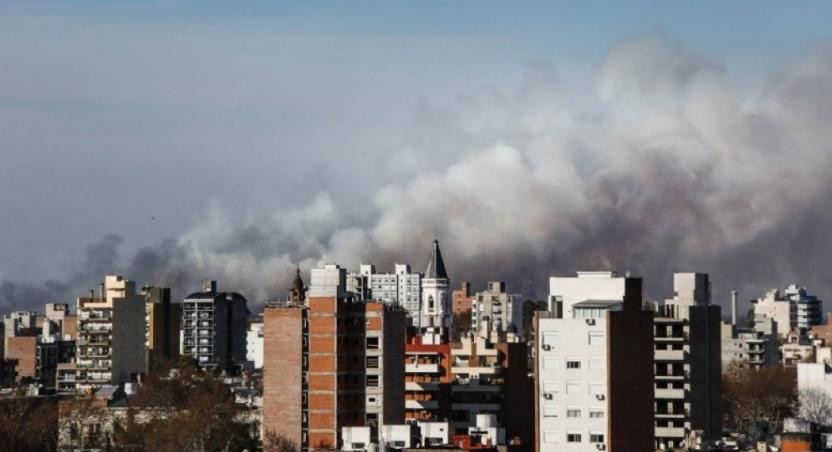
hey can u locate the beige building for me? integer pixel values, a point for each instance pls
(111, 335)
(494, 310)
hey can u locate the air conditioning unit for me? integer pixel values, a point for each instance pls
(547, 396)
(546, 347)
(601, 446)
(599, 396)
(590, 321)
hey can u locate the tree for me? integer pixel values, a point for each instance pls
(757, 400)
(184, 408)
(28, 423)
(274, 442)
(460, 325)
(814, 409)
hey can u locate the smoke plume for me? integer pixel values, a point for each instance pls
(669, 168)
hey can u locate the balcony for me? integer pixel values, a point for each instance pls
(670, 432)
(421, 404)
(413, 368)
(666, 393)
(414, 386)
(669, 355)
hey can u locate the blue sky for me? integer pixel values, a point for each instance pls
(114, 112)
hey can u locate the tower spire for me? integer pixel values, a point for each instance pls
(436, 266)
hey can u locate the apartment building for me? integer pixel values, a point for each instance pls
(491, 379)
(756, 347)
(428, 380)
(494, 310)
(163, 321)
(111, 335)
(336, 362)
(594, 366)
(214, 327)
(792, 308)
(18, 323)
(402, 287)
(688, 382)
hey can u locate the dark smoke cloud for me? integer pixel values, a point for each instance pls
(678, 170)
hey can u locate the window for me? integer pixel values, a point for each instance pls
(574, 387)
(596, 338)
(551, 387)
(573, 437)
(372, 381)
(372, 343)
(550, 411)
(573, 363)
(596, 413)
(596, 437)
(550, 338)
(372, 362)
(550, 363)
(573, 412)
(550, 436)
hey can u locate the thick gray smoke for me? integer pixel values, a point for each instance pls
(670, 168)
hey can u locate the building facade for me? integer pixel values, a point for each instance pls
(436, 306)
(163, 322)
(688, 360)
(214, 327)
(494, 310)
(333, 363)
(594, 366)
(111, 335)
(402, 287)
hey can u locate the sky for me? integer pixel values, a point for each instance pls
(172, 140)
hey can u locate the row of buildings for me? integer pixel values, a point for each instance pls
(361, 359)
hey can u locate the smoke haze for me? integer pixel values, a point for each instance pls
(669, 168)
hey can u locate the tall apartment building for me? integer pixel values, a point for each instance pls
(594, 366)
(214, 327)
(494, 310)
(335, 362)
(688, 360)
(163, 321)
(791, 309)
(402, 287)
(111, 335)
(436, 306)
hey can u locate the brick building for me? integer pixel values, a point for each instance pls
(331, 363)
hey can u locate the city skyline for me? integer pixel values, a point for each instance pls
(641, 138)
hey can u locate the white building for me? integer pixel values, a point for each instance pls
(111, 335)
(756, 347)
(16, 323)
(254, 345)
(792, 308)
(579, 364)
(402, 287)
(496, 310)
(816, 375)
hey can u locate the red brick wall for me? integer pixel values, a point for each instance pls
(282, 372)
(323, 404)
(23, 350)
